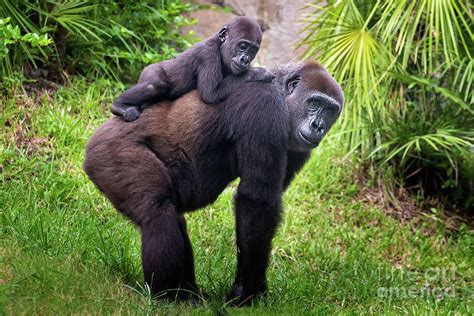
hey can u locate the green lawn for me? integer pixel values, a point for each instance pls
(64, 249)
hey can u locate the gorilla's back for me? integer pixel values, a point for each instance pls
(184, 135)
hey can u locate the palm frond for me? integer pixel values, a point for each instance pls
(431, 84)
(343, 40)
(422, 29)
(72, 16)
(464, 79)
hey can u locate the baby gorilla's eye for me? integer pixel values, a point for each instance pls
(242, 45)
(291, 85)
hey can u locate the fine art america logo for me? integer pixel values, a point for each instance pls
(437, 283)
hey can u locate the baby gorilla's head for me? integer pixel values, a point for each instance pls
(240, 40)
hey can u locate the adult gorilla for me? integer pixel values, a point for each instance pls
(180, 156)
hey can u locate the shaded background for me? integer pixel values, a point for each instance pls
(281, 22)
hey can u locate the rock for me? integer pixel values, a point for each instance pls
(280, 21)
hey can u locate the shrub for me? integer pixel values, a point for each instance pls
(98, 38)
(11, 40)
(407, 71)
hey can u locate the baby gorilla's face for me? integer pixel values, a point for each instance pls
(240, 43)
(244, 53)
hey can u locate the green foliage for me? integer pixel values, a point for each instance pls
(12, 39)
(138, 33)
(427, 148)
(407, 70)
(96, 38)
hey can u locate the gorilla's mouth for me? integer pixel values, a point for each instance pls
(237, 67)
(312, 143)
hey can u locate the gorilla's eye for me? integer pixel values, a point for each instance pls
(331, 111)
(242, 45)
(291, 85)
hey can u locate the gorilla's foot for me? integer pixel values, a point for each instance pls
(238, 296)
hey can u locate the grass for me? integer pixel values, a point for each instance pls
(65, 250)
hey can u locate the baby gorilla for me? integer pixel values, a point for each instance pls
(206, 67)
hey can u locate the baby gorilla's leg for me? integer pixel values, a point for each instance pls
(129, 104)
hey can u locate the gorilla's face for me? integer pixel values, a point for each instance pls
(315, 101)
(241, 40)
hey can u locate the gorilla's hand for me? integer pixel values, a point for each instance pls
(131, 114)
(259, 74)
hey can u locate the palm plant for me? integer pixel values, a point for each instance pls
(43, 17)
(407, 71)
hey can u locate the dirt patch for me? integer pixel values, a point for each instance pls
(5, 273)
(20, 132)
(31, 145)
(24, 138)
(40, 87)
(402, 204)
(398, 204)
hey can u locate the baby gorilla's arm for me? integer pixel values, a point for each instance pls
(228, 84)
(260, 74)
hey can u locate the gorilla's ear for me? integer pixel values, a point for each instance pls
(223, 33)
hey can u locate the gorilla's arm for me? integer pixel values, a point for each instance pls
(214, 88)
(295, 161)
(210, 78)
(258, 208)
(261, 149)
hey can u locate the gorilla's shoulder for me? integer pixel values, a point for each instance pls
(256, 97)
(257, 109)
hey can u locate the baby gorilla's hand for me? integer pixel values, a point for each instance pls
(260, 74)
(131, 114)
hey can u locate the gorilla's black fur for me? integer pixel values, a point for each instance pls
(179, 156)
(204, 67)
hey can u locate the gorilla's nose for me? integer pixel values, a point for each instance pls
(245, 60)
(318, 126)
